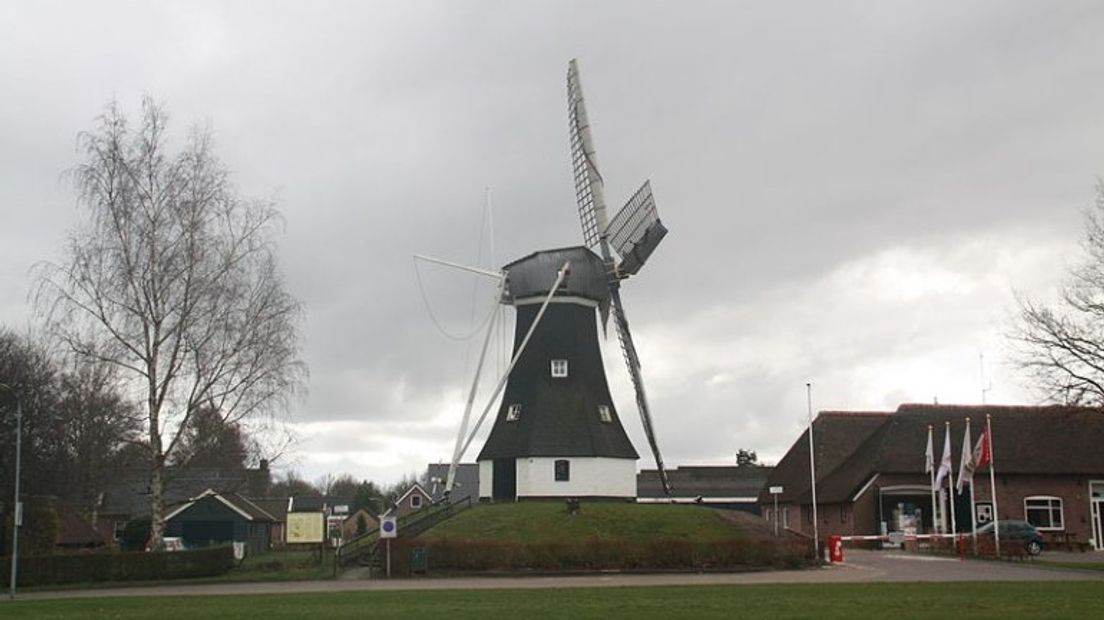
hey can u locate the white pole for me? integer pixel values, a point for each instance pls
(993, 482)
(17, 516)
(936, 518)
(560, 275)
(950, 491)
(812, 469)
(456, 453)
(775, 514)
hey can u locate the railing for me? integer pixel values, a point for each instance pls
(410, 525)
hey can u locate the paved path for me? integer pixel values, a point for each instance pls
(861, 566)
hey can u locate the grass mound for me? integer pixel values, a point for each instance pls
(549, 522)
(543, 536)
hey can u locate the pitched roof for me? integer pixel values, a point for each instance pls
(247, 509)
(275, 506)
(533, 274)
(836, 435)
(1052, 440)
(465, 484)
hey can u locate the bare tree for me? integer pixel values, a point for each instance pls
(1061, 346)
(172, 278)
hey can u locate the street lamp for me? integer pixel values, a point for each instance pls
(17, 515)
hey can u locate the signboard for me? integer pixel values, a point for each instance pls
(304, 527)
(389, 527)
(775, 490)
(983, 512)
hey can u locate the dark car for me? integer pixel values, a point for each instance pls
(1016, 532)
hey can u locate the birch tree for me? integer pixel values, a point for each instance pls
(172, 278)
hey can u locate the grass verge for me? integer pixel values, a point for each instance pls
(977, 601)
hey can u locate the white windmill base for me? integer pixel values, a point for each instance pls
(589, 476)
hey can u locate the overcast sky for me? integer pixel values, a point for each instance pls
(853, 190)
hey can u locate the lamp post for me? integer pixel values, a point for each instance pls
(17, 514)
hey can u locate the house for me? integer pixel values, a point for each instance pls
(127, 497)
(415, 498)
(870, 471)
(728, 487)
(464, 485)
(215, 517)
(278, 508)
(360, 522)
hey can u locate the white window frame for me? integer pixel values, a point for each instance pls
(785, 517)
(415, 501)
(513, 412)
(559, 369)
(566, 469)
(1052, 503)
(604, 414)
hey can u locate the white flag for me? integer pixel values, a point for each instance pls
(966, 464)
(929, 454)
(944, 463)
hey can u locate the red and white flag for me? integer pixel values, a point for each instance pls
(983, 451)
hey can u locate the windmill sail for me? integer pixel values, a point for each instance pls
(636, 230)
(637, 234)
(588, 182)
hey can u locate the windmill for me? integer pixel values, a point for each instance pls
(556, 432)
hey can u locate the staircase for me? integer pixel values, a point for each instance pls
(364, 550)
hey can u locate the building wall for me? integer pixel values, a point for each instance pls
(589, 477)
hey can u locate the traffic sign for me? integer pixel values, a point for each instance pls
(389, 527)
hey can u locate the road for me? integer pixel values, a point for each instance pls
(860, 566)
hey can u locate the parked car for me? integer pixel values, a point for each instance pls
(1016, 532)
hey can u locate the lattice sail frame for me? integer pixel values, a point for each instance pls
(584, 164)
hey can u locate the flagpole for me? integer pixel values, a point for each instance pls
(966, 445)
(950, 492)
(931, 471)
(993, 483)
(812, 470)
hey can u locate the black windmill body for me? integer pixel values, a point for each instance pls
(557, 405)
(557, 432)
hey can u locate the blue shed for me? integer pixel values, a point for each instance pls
(214, 518)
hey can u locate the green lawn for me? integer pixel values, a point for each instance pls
(547, 522)
(844, 601)
(1080, 565)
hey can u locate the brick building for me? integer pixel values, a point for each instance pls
(870, 471)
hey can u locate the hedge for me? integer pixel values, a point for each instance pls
(119, 566)
(594, 554)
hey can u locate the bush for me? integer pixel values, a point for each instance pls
(116, 566)
(595, 554)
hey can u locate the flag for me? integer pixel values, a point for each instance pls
(983, 451)
(929, 454)
(966, 465)
(945, 462)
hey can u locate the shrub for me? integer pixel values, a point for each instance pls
(596, 554)
(120, 566)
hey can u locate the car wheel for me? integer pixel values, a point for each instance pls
(1033, 547)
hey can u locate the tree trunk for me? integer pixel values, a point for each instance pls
(157, 506)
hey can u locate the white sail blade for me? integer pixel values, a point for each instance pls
(589, 186)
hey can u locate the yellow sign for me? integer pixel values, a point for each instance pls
(304, 527)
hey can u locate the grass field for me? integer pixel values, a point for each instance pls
(976, 601)
(547, 522)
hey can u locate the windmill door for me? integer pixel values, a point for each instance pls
(504, 480)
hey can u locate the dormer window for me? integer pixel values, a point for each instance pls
(604, 414)
(559, 368)
(513, 413)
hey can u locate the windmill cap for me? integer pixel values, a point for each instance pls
(534, 274)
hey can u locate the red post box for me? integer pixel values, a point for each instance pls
(835, 548)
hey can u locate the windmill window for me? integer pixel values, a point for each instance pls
(563, 470)
(513, 413)
(559, 368)
(604, 414)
